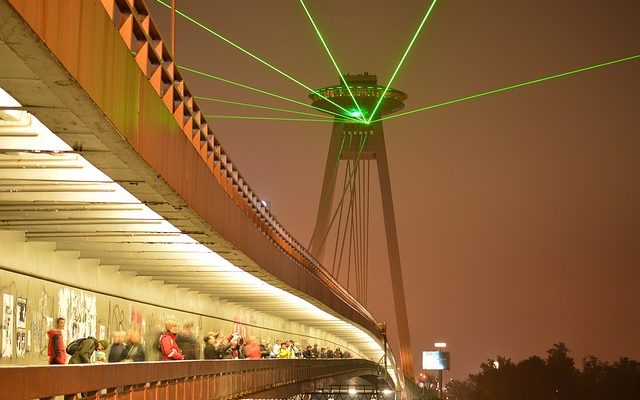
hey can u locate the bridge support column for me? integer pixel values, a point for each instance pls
(371, 147)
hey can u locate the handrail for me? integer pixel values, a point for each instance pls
(210, 379)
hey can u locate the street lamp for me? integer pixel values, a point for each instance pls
(440, 346)
(422, 383)
(437, 360)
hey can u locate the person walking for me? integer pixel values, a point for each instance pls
(188, 343)
(117, 349)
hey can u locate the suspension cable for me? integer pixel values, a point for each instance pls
(335, 251)
(348, 218)
(344, 192)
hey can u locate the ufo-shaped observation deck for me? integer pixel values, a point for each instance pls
(367, 92)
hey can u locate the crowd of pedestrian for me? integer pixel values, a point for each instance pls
(124, 347)
(178, 345)
(234, 347)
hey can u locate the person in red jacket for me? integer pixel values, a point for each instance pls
(56, 349)
(170, 349)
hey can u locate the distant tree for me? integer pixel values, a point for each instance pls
(601, 380)
(622, 380)
(563, 374)
(428, 384)
(592, 379)
(461, 390)
(532, 379)
(553, 378)
(495, 381)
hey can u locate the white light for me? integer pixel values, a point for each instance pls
(387, 392)
(496, 365)
(352, 391)
(6, 100)
(440, 344)
(23, 126)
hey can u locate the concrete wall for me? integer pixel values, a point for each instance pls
(44, 276)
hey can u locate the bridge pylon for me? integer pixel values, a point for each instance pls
(357, 139)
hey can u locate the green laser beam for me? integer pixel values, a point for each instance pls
(277, 96)
(247, 52)
(214, 116)
(335, 64)
(510, 87)
(238, 103)
(404, 56)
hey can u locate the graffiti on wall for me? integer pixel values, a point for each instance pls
(153, 328)
(117, 319)
(21, 325)
(79, 309)
(21, 313)
(136, 322)
(21, 342)
(134, 319)
(41, 320)
(7, 325)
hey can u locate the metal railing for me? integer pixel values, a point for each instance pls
(204, 379)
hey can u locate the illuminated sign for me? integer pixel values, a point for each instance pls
(435, 360)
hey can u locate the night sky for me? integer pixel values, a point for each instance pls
(518, 214)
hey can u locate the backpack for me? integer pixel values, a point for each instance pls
(159, 342)
(74, 346)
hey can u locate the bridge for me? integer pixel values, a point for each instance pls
(120, 208)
